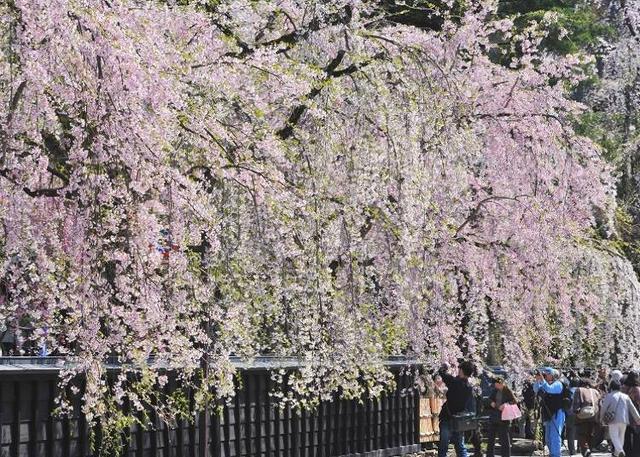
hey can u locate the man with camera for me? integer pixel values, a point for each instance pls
(458, 397)
(548, 386)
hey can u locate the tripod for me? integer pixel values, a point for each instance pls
(538, 425)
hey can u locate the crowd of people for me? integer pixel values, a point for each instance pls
(589, 408)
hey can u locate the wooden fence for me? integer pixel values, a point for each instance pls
(429, 411)
(249, 426)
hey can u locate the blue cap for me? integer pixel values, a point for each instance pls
(547, 370)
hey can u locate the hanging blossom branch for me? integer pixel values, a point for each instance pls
(476, 212)
(254, 182)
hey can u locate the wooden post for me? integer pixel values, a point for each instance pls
(277, 418)
(82, 424)
(179, 427)
(362, 423)
(153, 434)
(216, 444)
(416, 416)
(203, 418)
(2, 413)
(246, 387)
(287, 431)
(268, 429)
(236, 425)
(330, 434)
(303, 418)
(295, 420)
(257, 379)
(203, 432)
(322, 435)
(167, 448)
(15, 428)
(140, 438)
(33, 424)
(192, 427)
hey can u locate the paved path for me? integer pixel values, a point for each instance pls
(521, 448)
(565, 453)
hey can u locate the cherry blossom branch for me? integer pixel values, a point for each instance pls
(331, 72)
(475, 212)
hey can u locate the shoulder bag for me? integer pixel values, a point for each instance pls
(610, 414)
(464, 421)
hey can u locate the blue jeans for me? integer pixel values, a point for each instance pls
(553, 433)
(446, 436)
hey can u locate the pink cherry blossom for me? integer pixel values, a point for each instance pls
(184, 183)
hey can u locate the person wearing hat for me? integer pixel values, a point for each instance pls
(616, 413)
(549, 387)
(616, 375)
(500, 396)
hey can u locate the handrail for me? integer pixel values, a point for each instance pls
(262, 362)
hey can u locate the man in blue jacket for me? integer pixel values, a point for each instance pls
(549, 387)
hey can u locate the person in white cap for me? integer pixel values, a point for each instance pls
(616, 375)
(618, 411)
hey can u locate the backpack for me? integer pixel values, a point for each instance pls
(552, 403)
(587, 412)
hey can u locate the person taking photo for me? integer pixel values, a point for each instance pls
(458, 397)
(548, 386)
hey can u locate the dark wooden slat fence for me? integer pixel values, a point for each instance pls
(249, 425)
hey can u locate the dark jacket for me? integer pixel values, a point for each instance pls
(551, 403)
(507, 397)
(634, 394)
(459, 394)
(529, 396)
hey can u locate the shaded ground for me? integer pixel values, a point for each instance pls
(521, 448)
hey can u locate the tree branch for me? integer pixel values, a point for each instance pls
(15, 99)
(331, 72)
(476, 211)
(45, 192)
